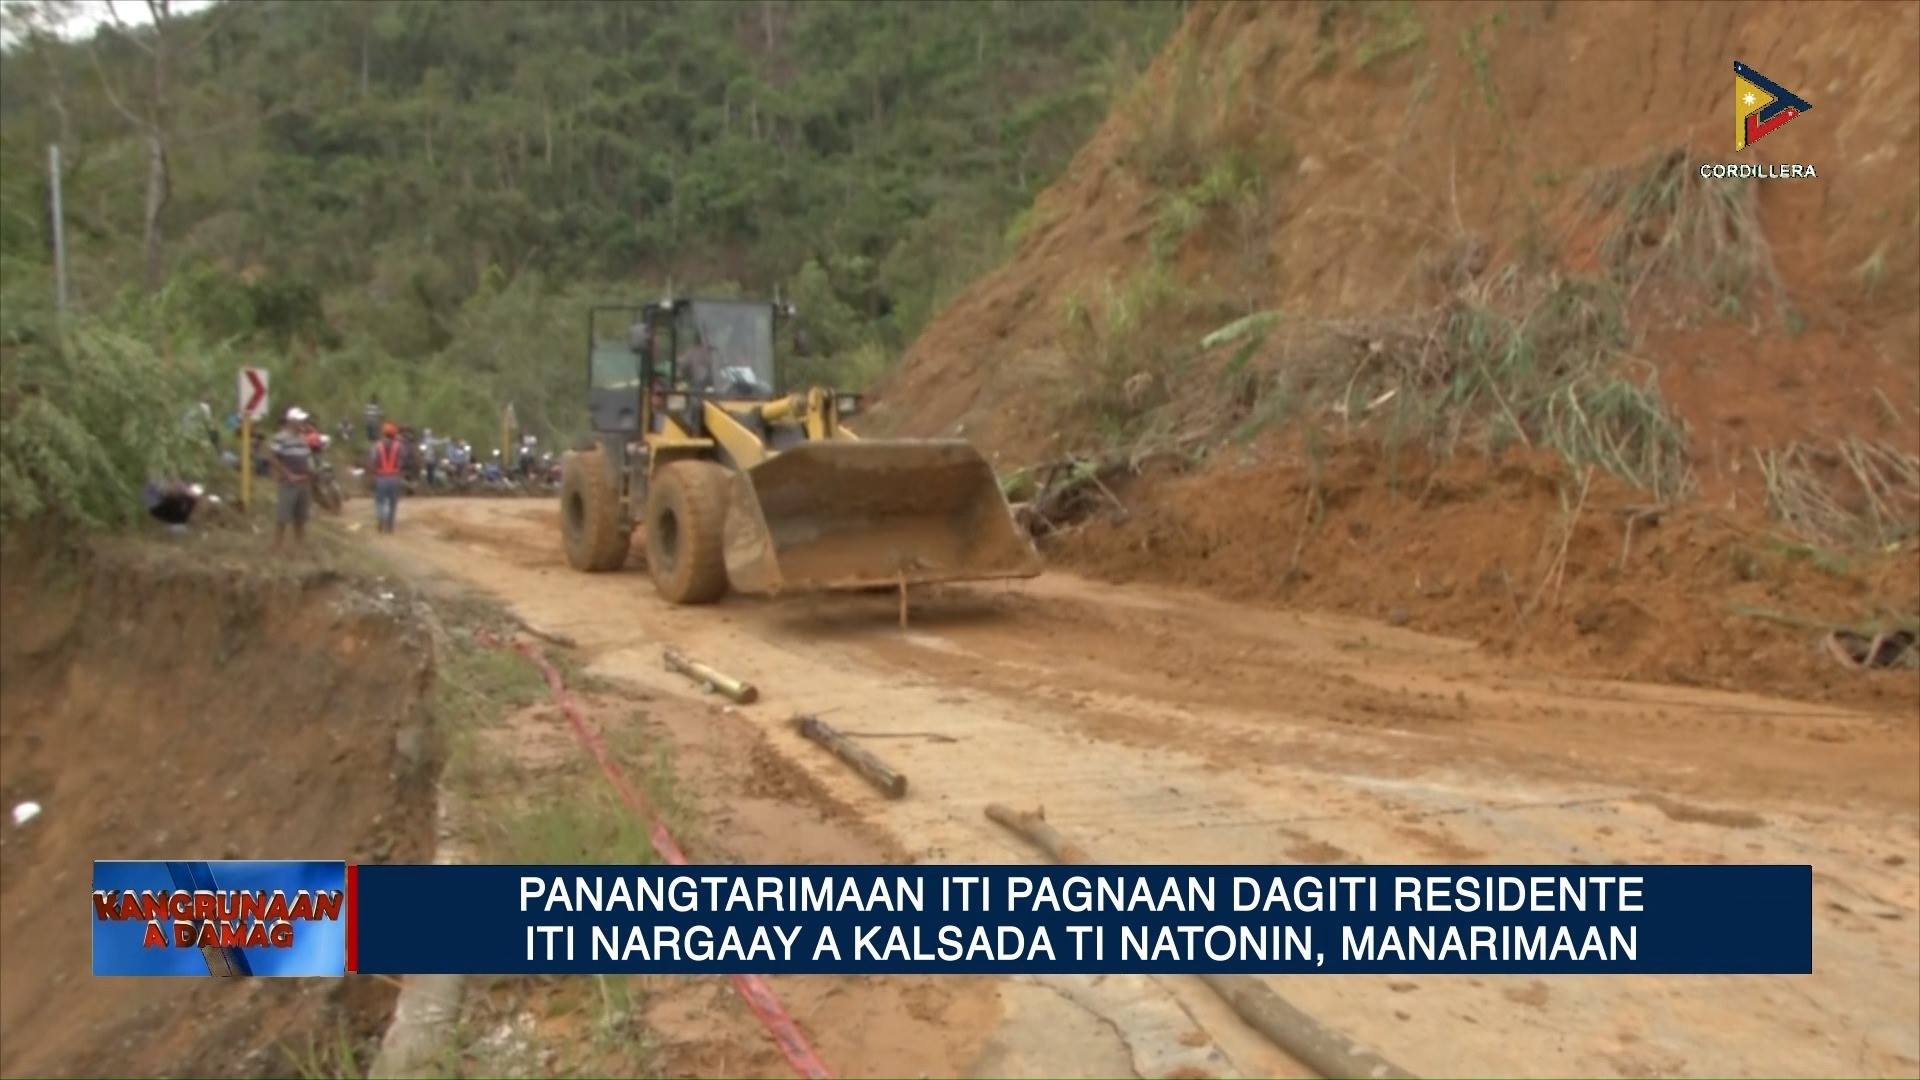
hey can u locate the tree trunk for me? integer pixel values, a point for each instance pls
(159, 188)
(366, 33)
(57, 99)
(157, 194)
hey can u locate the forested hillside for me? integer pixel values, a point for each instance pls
(415, 199)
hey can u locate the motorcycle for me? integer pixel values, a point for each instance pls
(326, 489)
(326, 486)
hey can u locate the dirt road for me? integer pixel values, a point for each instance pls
(1165, 728)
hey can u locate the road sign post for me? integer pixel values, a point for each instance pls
(253, 405)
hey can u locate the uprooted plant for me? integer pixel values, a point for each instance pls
(1671, 225)
(1851, 493)
(1539, 363)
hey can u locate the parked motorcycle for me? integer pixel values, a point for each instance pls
(326, 486)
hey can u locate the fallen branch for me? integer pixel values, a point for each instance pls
(864, 761)
(1322, 1049)
(710, 679)
(1069, 491)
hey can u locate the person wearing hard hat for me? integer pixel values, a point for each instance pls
(385, 462)
(290, 459)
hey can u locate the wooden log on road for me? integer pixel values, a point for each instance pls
(864, 761)
(712, 679)
(1312, 1043)
(1032, 825)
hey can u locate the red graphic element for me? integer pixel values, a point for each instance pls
(1755, 129)
(353, 918)
(753, 989)
(256, 391)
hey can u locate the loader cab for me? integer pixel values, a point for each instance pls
(643, 362)
(724, 348)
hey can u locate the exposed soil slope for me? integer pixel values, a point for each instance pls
(1384, 162)
(158, 706)
(1488, 132)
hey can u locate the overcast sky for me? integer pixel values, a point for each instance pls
(89, 15)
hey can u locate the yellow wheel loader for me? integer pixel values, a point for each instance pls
(738, 484)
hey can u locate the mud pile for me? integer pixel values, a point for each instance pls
(159, 705)
(1620, 589)
(1380, 174)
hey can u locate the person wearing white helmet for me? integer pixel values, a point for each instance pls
(290, 457)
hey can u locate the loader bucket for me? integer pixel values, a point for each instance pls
(845, 515)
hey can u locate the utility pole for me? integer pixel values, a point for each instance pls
(59, 234)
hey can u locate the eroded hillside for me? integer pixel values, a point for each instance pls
(1334, 266)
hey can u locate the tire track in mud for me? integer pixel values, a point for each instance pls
(1083, 699)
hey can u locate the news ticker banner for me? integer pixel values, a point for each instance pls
(330, 918)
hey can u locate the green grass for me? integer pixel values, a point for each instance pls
(1476, 47)
(1555, 375)
(334, 1057)
(1827, 561)
(1854, 493)
(1201, 118)
(1232, 190)
(1277, 403)
(476, 686)
(586, 825)
(1672, 226)
(559, 811)
(1394, 28)
(1130, 347)
(1522, 359)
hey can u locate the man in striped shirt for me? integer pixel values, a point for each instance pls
(291, 460)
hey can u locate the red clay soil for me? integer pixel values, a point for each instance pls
(1696, 596)
(158, 706)
(1490, 134)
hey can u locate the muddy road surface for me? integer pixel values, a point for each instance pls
(1161, 727)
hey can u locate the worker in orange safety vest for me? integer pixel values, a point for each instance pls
(384, 462)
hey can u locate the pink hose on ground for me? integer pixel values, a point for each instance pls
(753, 989)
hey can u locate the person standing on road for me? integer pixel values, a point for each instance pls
(291, 461)
(372, 414)
(384, 463)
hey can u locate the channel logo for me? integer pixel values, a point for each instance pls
(1760, 106)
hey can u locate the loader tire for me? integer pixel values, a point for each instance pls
(590, 521)
(686, 509)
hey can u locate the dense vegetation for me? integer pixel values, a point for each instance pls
(417, 199)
